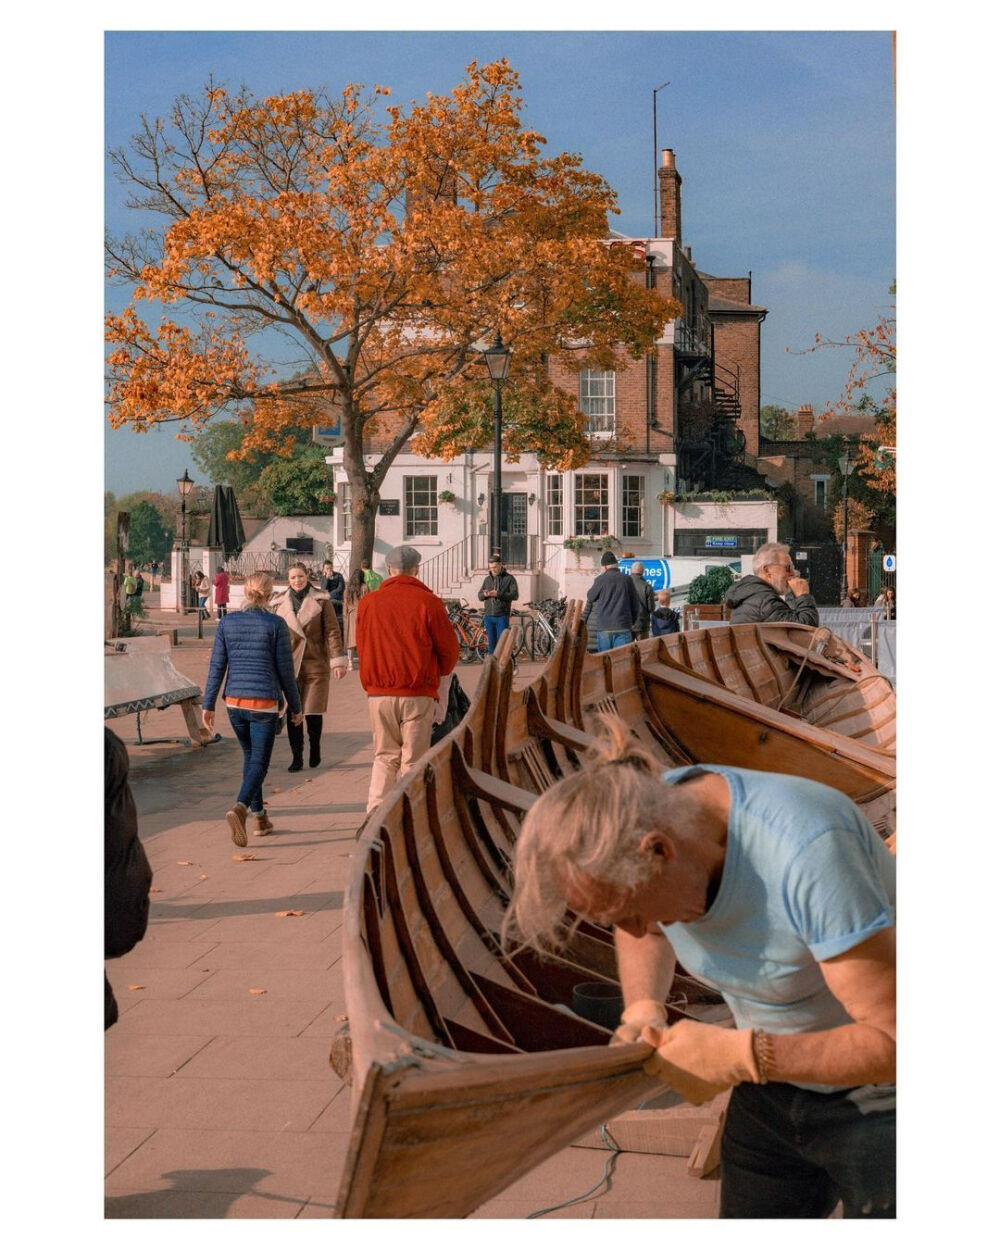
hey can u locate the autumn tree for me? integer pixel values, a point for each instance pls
(776, 423)
(873, 368)
(384, 248)
(149, 536)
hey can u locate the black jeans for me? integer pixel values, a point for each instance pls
(790, 1153)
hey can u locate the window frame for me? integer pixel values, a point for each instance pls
(590, 399)
(428, 503)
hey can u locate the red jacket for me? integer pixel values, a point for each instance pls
(221, 587)
(406, 643)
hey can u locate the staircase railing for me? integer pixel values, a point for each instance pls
(450, 566)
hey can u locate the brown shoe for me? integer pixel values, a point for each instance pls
(263, 825)
(236, 819)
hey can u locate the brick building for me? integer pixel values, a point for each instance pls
(685, 418)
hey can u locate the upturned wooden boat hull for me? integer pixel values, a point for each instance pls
(468, 1065)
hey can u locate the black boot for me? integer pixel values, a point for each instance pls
(296, 740)
(314, 724)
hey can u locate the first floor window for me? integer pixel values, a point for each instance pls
(346, 516)
(554, 503)
(590, 504)
(633, 505)
(420, 494)
(597, 400)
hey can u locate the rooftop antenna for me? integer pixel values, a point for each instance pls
(656, 167)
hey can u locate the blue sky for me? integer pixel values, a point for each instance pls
(785, 142)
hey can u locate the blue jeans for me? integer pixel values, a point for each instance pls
(255, 732)
(494, 626)
(790, 1153)
(608, 638)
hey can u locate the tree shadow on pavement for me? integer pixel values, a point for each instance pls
(198, 1194)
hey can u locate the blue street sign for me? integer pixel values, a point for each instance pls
(889, 563)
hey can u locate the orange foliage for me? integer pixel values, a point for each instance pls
(385, 248)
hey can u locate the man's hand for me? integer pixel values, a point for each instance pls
(646, 1013)
(699, 1061)
(296, 718)
(798, 585)
(208, 719)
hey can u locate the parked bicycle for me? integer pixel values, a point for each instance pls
(539, 627)
(473, 643)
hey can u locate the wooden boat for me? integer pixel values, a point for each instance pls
(468, 1065)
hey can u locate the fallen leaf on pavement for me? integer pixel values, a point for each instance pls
(155, 889)
(258, 991)
(242, 859)
(137, 987)
(203, 877)
(276, 789)
(185, 863)
(289, 913)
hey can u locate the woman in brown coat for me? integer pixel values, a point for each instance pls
(317, 650)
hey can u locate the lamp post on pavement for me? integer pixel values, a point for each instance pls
(846, 465)
(497, 360)
(185, 485)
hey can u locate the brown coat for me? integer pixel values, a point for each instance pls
(316, 646)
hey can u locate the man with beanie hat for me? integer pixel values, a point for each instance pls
(406, 651)
(614, 603)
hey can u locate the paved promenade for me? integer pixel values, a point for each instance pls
(220, 1101)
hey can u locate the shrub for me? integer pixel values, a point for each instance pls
(711, 586)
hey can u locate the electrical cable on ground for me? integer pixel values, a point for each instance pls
(605, 1180)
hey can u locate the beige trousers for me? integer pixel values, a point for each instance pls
(401, 729)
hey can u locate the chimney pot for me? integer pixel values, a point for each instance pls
(668, 158)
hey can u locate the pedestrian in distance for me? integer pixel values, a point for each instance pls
(772, 592)
(127, 874)
(332, 583)
(663, 619)
(372, 579)
(407, 650)
(201, 587)
(614, 602)
(252, 655)
(130, 585)
(776, 891)
(317, 652)
(887, 601)
(220, 592)
(354, 590)
(497, 593)
(647, 600)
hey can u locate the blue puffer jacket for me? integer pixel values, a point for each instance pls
(254, 647)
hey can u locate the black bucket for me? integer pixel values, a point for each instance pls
(599, 1002)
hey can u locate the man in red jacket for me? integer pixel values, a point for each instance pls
(406, 651)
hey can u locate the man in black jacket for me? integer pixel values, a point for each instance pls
(772, 592)
(615, 603)
(497, 593)
(127, 874)
(647, 602)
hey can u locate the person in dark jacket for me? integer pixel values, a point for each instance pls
(253, 652)
(772, 592)
(497, 593)
(663, 619)
(647, 601)
(615, 604)
(333, 583)
(127, 874)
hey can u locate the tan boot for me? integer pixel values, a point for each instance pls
(262, 824)
(236, 819)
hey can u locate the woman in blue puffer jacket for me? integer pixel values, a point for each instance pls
(253, 652)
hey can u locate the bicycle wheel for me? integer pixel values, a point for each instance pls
(543, 643)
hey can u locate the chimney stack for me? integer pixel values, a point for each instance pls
(670, 198)
(804, 421)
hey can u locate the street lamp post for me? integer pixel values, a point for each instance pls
(185, 485)
(497, 360)
(845, 465)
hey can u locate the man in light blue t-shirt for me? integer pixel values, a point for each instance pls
(777, 891)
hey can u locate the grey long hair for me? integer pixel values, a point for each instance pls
(591, 822)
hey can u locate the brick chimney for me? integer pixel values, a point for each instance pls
(670, 198)
(804, 421)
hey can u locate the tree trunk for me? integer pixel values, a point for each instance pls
(364, 490)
